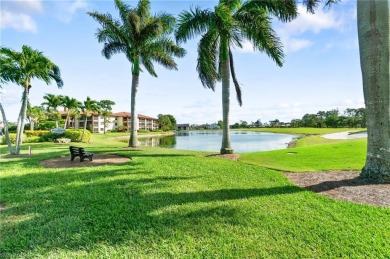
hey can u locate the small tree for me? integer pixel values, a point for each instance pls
(105, 110)
(34, 115)
(52, 103)
(88, 107)
(69, 104)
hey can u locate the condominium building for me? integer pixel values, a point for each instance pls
(118, 120)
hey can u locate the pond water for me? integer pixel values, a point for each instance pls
(210, 140)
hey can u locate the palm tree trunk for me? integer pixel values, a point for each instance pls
(225, 74)
(85, 127)
(66, 120)
(11, 150)
(21, 120)
(373, 31)
(133, 142)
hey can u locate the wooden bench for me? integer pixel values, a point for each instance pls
(79, 151)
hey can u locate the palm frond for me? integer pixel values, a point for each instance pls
(192, 23)
(231, 4)
(147, 63)
(168, 22)
(151, 31)
(284, 10)
(235, 81)
(113, 47)
(123, 9)
(143, 10)
(256, 27)
(208, 59)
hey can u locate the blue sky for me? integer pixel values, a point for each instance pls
(321, 69)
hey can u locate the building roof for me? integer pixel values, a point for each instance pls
(118, 114)
(128, 114)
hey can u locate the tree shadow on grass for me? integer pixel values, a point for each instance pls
(330, 185)
(69, 210)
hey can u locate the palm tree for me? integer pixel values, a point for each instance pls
(374, 47)
(143, 38)
(69, 105)
(52, 103)
(105, 109)
(21, 68)
(227, 26)
(88, 107)
(34, 114)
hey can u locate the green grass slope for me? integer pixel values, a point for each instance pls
(339, 155)
(166, 203)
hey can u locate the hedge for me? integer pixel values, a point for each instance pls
(12, 137)
(73, 134)
(37, 133)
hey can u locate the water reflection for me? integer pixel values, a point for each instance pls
(210, 140)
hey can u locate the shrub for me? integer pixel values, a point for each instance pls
(32, 139)
(12, 137)
(49, 137)
(36, 133)
(75, 135)
(46, 125)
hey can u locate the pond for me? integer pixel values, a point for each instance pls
(210, 140)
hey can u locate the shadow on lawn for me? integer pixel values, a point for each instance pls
(330, 185)
(73, 210)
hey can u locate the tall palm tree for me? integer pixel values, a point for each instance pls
(21, 68)
(231, 22)
(69, 105)
(143, 38)
(88, 107)
(52, 103)
(374, 47)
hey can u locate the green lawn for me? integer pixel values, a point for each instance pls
(167, 203)
(305, 131)
(312, 156)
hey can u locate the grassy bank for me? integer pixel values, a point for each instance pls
(169, 203)
(305, 131)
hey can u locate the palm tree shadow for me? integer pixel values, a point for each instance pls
(330, 185)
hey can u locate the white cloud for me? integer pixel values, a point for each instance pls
(17, 15)
(67, 9)
(294, 45)
(17, 21)
(312, 22)
(78, 4)
(308, 23)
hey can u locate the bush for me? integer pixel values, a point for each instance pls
(36, 133)
(75, 135)
(12, 137)
(46, 125)
(49, 137)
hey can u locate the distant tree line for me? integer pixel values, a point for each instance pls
(350, 118)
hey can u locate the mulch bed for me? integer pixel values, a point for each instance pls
(98, 160)
(343, 185)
